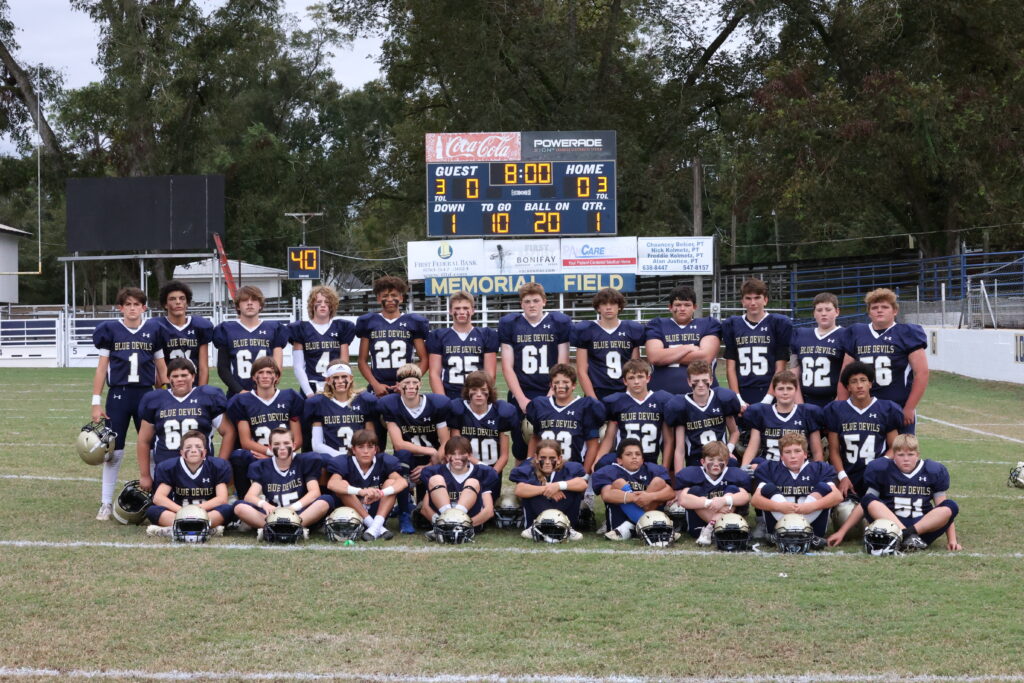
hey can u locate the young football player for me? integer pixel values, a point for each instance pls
(571, 420)
(458, 350)
(388, 339)
(818, 352)
(486, 421)
(793, 484)
(704, 415)
(240, 343)
(457, 482)
(339, 412)
(130, 362)
(603, 346)
(184, 335)
(637, 413)
(911, 492)
(168, 413)
(673, 343)
(256, 414)
(319, 340)
(710, 490)
(531, 343)
(289, 480)
(418, 426)
(769, 422)
(896, 350)
(547, 481)
(191, 479)
(368, 482)
(756, 344)
(630, 487)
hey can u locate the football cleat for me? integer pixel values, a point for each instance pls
(104, 512)
(1017, 476)
(343, 525)
(131, 504)
(283, 526)
(191, 525)
(508, 513)
(551, 526)
(655, 528)
(95, 443)
(731, 533)
(883, 537)
(453, 526)
(912, 542)
(588, 520)
(157, 530)
(793, 534)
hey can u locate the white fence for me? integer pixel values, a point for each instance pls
(982, 354)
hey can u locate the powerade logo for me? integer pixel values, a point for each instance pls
(445, 251)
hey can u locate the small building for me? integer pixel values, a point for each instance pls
(9, 238)
(204, 276)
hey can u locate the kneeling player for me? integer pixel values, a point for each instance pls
(368, 482)
(911, 492)
(458, 483)
(630, 487)
(192, 479)
(547, 481)
(711, 490)
(288, 480)
(795, 485)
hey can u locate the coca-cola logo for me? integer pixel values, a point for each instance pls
(443, 147)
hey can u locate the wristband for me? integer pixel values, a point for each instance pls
(842, 475)
(96, 398)
(563, 485)
(767, 400)
(295, 507)
(388, 491)
(353, 491)
(731, 447)
(270, 453)
(728, 499)
(707, 503)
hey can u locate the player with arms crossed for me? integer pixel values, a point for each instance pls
(637, 413)
(130, 362)
(339, 412)
(547, 481)
(603, 346)
(769, 422)
(673, 343)
(532, 342)
(705, 415)
(818, 353)
(190, 479)
(897, 352)
(710, 490)
(630, 487)
(368, 482)
(757, 344)
(184, 335)
(461, 349)
(240, 343)
(319, 340)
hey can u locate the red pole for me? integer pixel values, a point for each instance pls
(223, 258)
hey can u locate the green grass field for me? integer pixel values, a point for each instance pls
(82, 597)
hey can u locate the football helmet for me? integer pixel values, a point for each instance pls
(793, 534)
(677, 513)
(344, 524)
(508, 513)
(191, 525)
(551, 526)
(731, 533)
(883, 537)
(453, 526)
(283, 525)
(655, 528)
(130, 505)
(95, 443)
(1017, 476)
(842, 512)
(527, 429)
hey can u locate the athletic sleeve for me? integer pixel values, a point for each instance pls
(490, 340)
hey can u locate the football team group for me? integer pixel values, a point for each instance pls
(816, 424)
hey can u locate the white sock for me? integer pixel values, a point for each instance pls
(377, 527)
(110, 471)
(811, 516)
(462, 507)
(368, 521)
(444, 507)
(625, 528)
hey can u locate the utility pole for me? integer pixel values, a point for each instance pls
(698, 224)
(778, 250)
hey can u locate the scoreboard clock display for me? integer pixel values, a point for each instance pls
(521, 184)
(303, 263)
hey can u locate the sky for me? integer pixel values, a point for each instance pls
(51, 32)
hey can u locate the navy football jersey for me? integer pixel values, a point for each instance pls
(821, 360)
(382, 467)
(460, 354)
(703, 424)
(672, 378)
(266, 416)
(639, 419)
(639, 480)
(756, 348)
(171, 417)
(570, 505)
(910, 496)
(889, 352)
(288, 486)
(131, 353)
(487, 477)
(862, 432)
(185, 341)
(804, 418)
(418, 426)
(340, 420)
(772, 478)
(390, 343)
(192, 488)
(607, 352)
(244, 346)
(571, 425)
(534, 347)
(483, 431)
(320, 344)
(697, 481)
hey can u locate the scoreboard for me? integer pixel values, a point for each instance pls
(521, 184)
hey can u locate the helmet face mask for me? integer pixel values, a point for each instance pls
(677, 513)
(283, 525)
(508, 513)
(1017, 476)
(732, 533)
(95, 443)
(454, 526)
(883, 537)
(551, 526)
(343, 525)
(131, 504)
(191, 525)
(656, 529)
(793, 534)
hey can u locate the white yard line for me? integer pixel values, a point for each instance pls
(970, 429)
